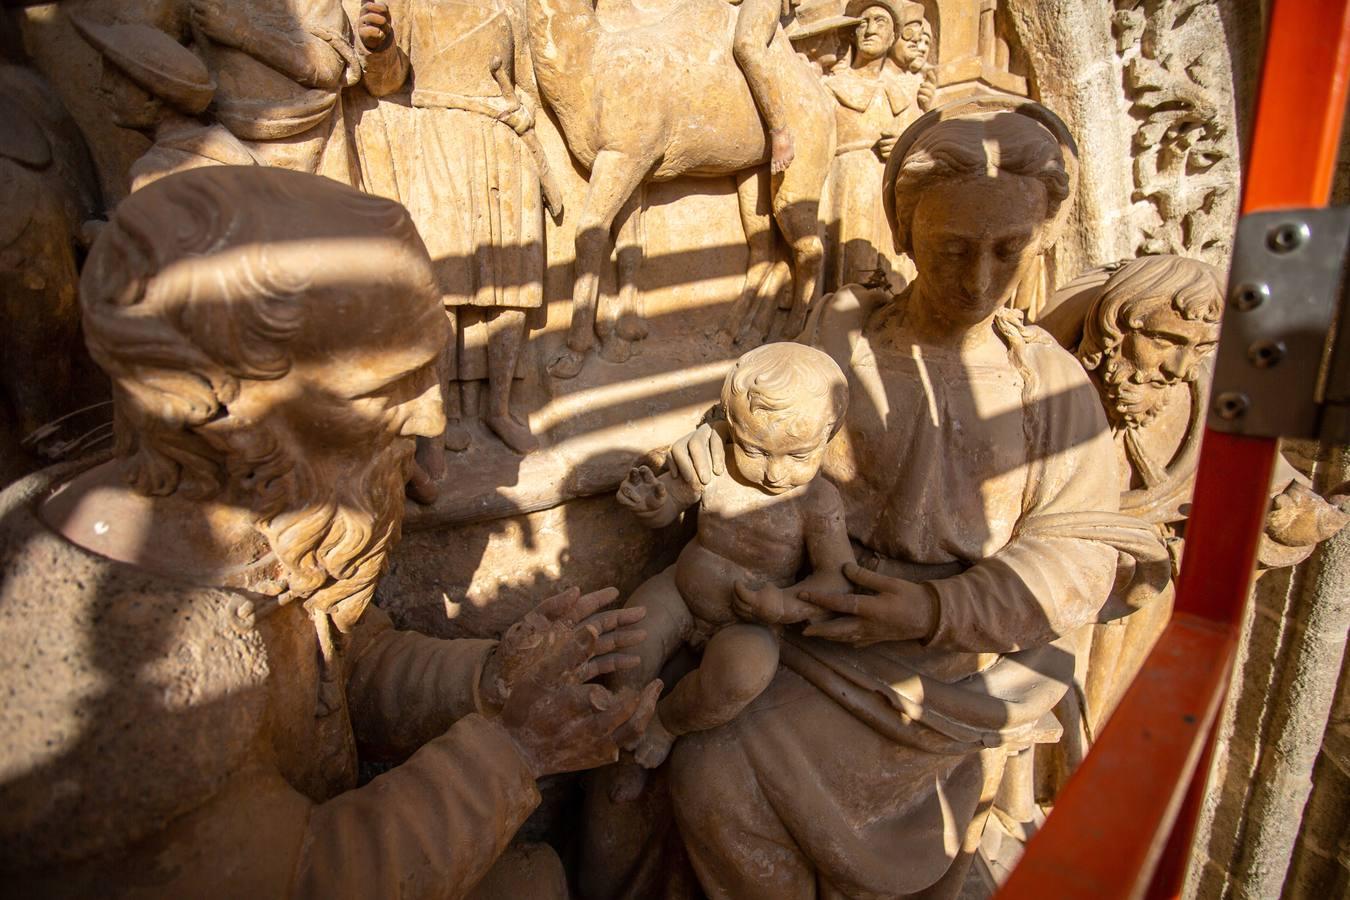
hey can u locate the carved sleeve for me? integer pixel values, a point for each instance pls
(430, 827)
(1043, 585)
(405, 688)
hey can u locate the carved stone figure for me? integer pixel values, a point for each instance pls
(269, 71)
(760, 520)
(469, 168)
(876, 100)
(817, 33)
(985, 544)
(630, 119)
(1145, 331)
(191, 662)
(47, 192)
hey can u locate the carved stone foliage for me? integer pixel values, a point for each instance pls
(1178, 82)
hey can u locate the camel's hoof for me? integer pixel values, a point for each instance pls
(567, 365)
(617, 350)
(749, 337)
(634, 329)
(724, 339)
(513, 434)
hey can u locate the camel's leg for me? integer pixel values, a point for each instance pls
(778, 283)
(752, 195)
(630, 323)
(799, 221)
(614, 177)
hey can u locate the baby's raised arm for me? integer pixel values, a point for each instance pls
(656, 501)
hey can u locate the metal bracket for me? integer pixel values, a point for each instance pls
(1280, 365)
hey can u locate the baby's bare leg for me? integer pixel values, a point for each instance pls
(668, 625)
(738, 664)
(755, 25)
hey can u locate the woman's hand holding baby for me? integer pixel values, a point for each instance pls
(898, 610)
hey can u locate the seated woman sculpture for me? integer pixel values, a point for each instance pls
(761, 521)
(975, 468)
(191, 662)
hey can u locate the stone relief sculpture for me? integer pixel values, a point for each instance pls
(1145, 331)
(760, 519)
(470, 169)
(235, 83)
(817, 33)
(876, 100)
(629, 123)
(47, 192)
(190, 649)
(1178, 80)
(885, 734)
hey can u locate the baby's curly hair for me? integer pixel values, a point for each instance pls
(780, 380)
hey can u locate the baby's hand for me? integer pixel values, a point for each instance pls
(771, 605)
(642, 492)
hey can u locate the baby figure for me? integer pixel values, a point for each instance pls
(760, 523)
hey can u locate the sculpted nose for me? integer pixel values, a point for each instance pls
(425, 414)
(979, 275)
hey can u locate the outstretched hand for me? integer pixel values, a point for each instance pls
(569, 638)
(537, 678)
(642, 491)
(898, 610)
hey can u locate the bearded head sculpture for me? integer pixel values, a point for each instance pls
(1154, 325)
(272, 338)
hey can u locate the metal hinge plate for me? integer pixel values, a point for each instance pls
(1274, 372)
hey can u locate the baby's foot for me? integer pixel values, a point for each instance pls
(783, 150)
(654, 745)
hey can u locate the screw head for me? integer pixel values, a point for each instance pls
(1287, 236)
(1265, 353)
(1249, 295)
(1231, 405)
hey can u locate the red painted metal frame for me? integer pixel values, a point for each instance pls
(1123, 825)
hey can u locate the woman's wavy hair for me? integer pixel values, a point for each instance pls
(989, 144)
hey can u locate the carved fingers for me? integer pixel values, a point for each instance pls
(899, 610)
(642, 491)
(568, 728)
(698, 456)
(567, 639)
(771, 605)
(374, 26)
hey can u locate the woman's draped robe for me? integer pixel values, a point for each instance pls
(867, 771)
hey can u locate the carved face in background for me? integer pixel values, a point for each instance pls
(272, 339)
(1154, 325)
(874, 36)
(916, 40)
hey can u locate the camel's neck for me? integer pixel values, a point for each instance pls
(562, 41)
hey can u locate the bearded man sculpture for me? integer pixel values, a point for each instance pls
(192, 663)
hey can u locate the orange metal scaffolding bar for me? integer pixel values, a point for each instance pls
(1123, 825)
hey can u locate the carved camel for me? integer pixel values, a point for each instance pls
(662, 98)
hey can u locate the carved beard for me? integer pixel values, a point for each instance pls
(331, 526)
(1131, 401)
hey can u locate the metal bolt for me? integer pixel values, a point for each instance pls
(1265, 353)
(1249, 296)
(1231, 405)
(1287, 237)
